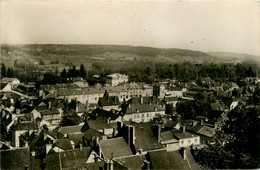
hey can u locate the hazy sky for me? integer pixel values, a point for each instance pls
(211, 26)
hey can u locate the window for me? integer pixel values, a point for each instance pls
(147, 114)
(142, 115)
(182, 142)
(196, 140)
(188, 141)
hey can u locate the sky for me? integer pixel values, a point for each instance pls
(222, 26)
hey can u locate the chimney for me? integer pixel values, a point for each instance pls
(130, 135)
(140, 151)
(48, 147)
(183, 129)
(129, 106)
(114, 131)
(146, 165)
(194, 123)
(72, 144)
(80, 146)
(26, 143)
(108, 120)
(142, 100)
(49, 105)
(111, 165)
(158, 132)
(33, 153)
(201, 122)
(183, 153)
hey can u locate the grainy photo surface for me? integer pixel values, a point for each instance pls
(124, 84)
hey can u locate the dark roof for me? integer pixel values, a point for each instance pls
(100, 124)
(167, 160)
(17, 158)
(70, 129)
(2, 85)
(76, 138)
(115, 146)
(131, 162)
(145, 139)
(26, 126)
(203, 130)
(144, 100)
(103, 114)
(63, 144)
(90, 133)
(184, 135)
(108, 101)
(217, 106)
(134, 108)
(167, 135)
(71, 158)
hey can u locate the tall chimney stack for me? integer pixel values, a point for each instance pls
(158, 131)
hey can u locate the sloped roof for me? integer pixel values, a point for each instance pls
(76, 138)
(100, 124)
(131, 162)
(108, 101)
(167, 135)
(144, 99)
(167, 160)
(184, 135)
(70, 158)
(63, 144)
(17, 158)
(26, 126)
(115, 146)
(140, 108)
(3, 85)
(217, 106)
(90, 133)
(100, 113)
(70, 129)
(144, 137)
(203, 130)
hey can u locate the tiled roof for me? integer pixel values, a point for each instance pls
(167, 160)
(203, 130)
(115, 147)
(90, 133)
(80, 91)
(145, 100)
(167, 135)
(131, 162)
(26, 126)
(63, 144)
(100, 124)
(70, 129)
(76, 157)
(145, 139)
(100, 113)
(108, 101)
(140, 108)
(17, 158)
(184, 135)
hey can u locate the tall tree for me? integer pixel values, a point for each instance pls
(3, 70)
(10, 72)
(64, 73)
(82, 71)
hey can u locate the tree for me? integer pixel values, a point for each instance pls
(64, 73)
(82, 72)
(3, 70)
(70, 119)
(169, 109)
(72, 72)
(50, 78)
(10, 72)
(235, 143)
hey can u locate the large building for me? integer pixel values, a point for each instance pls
(116, 78)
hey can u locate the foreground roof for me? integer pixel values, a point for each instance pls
(115, 147)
